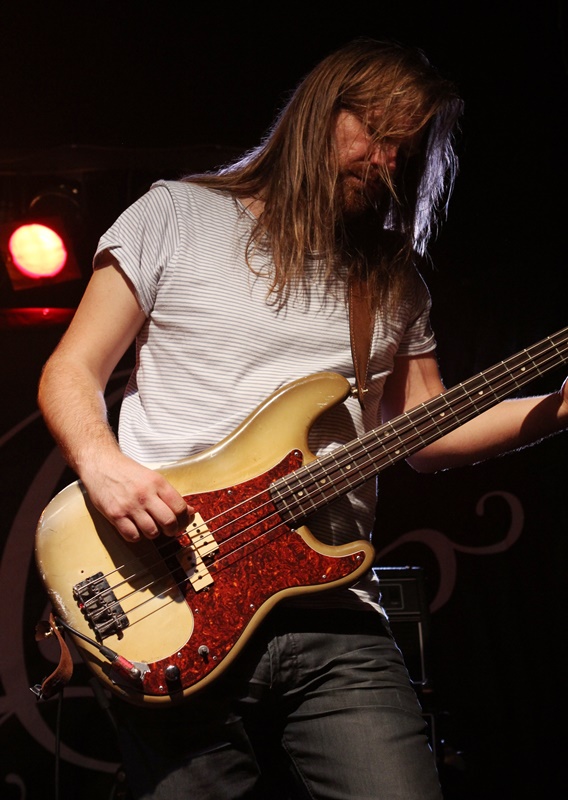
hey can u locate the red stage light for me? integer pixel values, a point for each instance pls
(37, 251)
(37, 254)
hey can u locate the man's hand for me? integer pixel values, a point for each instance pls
(563, 413)
(137, 500)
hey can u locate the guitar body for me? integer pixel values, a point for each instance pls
(158, 620)
(176, 613)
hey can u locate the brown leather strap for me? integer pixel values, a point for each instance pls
(61, 675)
(361, 328)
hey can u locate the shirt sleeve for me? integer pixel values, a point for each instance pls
(142, 241)
(419, 337)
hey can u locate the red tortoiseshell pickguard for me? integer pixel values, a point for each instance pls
(258, 557)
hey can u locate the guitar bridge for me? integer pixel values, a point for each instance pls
(99, 606)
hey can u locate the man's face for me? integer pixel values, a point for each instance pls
(363, 161)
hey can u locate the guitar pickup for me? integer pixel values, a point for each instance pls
(198, 544)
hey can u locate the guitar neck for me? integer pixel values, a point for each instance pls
(319, 483)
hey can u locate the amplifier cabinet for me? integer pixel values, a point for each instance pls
(403, 598)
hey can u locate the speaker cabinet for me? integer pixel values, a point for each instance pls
(403, 598)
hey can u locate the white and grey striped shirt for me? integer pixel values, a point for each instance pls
(212, 348)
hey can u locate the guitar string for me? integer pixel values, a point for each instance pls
(339, 466)
(215, 567)
(169, 550)
(319, 466)
(438, 424)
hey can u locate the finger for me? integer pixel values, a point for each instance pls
(139, 524)
(173, 524)
(127, 529)
(174, 515)
(157, 517)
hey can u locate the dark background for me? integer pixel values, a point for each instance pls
(106, 97)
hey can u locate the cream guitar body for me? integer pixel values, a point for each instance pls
(176, 613)
(156, 621)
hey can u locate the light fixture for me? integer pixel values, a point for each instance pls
(38, 249)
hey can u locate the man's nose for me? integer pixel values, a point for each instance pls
(384, 155)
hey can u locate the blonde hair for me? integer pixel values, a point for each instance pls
(294, 170)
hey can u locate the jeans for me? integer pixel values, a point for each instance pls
(317, 706)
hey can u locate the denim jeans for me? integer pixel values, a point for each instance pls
(318, 705)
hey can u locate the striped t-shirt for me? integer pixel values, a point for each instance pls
(212, 348)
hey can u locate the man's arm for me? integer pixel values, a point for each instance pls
(509, 425)
(135, 499)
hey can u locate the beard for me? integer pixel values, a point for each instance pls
(361, 231)
(358, 193)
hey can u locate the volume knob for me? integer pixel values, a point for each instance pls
(172, 673)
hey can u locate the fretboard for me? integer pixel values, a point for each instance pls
(317, 484)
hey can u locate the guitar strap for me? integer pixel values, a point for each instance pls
(361, 328)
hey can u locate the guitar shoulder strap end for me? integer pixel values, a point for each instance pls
(61, 675)
(361, 329)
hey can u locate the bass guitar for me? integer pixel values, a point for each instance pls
(158, 620)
